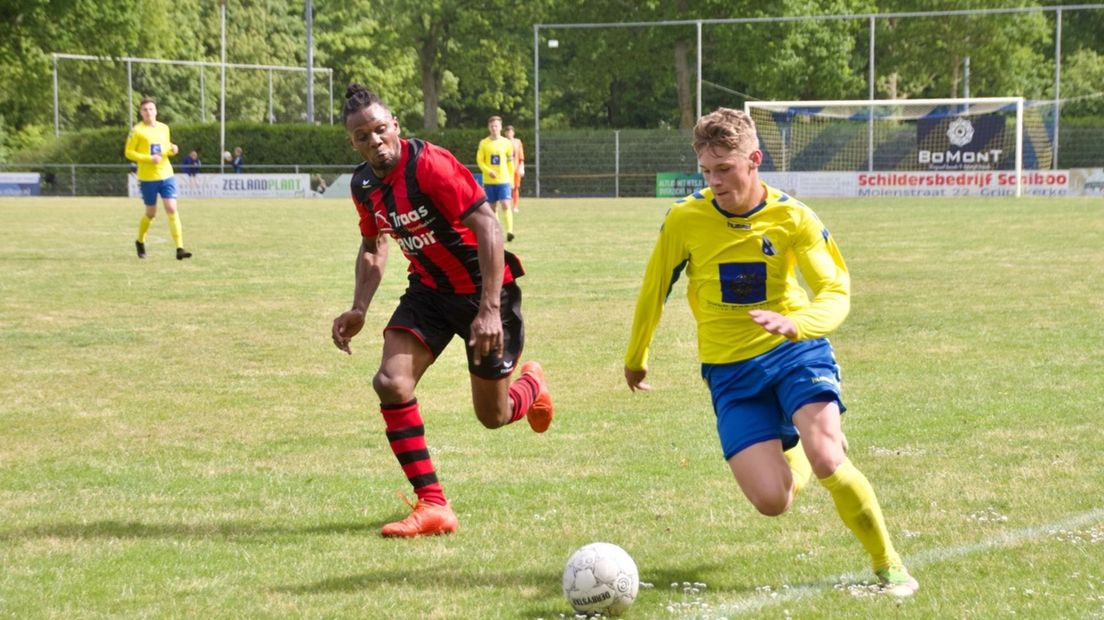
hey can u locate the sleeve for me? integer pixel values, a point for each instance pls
(368, 226)
(668, 259)
(483, 157)
(131, 152)
(822, 266)
(449, 184)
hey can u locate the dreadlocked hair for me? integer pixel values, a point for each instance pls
(357, 97)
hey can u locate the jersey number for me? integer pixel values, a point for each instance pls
(743, 283)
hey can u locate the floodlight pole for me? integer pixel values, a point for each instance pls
(1057, 83)
(698, 27)
(57, 125)
(130, 92)
(222, 89)
(870, 96)
(536, 105)
(310, 62)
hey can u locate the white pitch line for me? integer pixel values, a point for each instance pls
(1005, 539)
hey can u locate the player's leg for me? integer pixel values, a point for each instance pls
(176, 230)
(149, 199)
(852, 493)
(507, 215)
(497, 401)
(811, 390)
(406, 356)
(764, 476)
(515, 190)
(754, 436)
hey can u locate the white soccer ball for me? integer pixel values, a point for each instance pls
(600, 578)
(226, 156)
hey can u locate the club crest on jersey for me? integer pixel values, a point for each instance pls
(768, 248)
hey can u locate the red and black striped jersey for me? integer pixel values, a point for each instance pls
(421, 203)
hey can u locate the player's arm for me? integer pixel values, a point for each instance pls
(511, 165)
(370, 263)
(173, 149)
(822, 266)
(132, 150)
(664, 267)
(483, 159)
(486, 329)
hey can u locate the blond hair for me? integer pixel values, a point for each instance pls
(726, 128)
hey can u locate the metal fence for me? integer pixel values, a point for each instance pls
(609, 163)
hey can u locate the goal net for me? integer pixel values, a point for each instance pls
(968, 134)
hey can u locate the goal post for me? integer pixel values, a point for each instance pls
(973, 134)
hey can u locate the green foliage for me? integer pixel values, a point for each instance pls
(263, 144)
(451, 63)
(1083, 84)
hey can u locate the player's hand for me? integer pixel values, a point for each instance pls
(155, 158)
(635, 379)
(774, 323)
(492, 174)
(345, 327)
(173, 149)
(486, 335)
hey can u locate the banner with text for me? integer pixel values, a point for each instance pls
(235, 186)
(1035, 183)
(963, 143)
(678, 184)
(19, 184)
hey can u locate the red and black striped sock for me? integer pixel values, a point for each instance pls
(522, 394)
(406, 434)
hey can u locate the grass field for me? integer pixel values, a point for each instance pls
(182, 440)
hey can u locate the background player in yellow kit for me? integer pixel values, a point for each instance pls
(496, 161)
(150, 146)
(771, 371)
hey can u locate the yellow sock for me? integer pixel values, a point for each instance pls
(800, 467)
(858, 507)
(143, 228)
(508, 218)
(175, 229)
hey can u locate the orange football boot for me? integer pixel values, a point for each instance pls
(425, 519)
(540, 412)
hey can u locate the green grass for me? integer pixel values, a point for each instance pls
(181, 439)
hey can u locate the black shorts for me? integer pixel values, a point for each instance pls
(434, 318)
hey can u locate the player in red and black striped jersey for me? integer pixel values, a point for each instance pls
(462, 283)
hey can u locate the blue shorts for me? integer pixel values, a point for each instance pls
(755, 399)
(497, 192)
(166, 188)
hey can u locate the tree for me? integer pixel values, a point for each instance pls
(925, 56)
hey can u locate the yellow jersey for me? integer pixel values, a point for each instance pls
(497, 156)
(143, 143)
(737, 263)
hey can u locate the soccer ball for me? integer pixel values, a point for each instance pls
(600, 578)
(226, 157)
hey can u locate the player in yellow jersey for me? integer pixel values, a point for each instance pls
(771, 371)
(496, 161)
(150, 146)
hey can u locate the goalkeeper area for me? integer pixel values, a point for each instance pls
(899, 134)
(977, 137)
